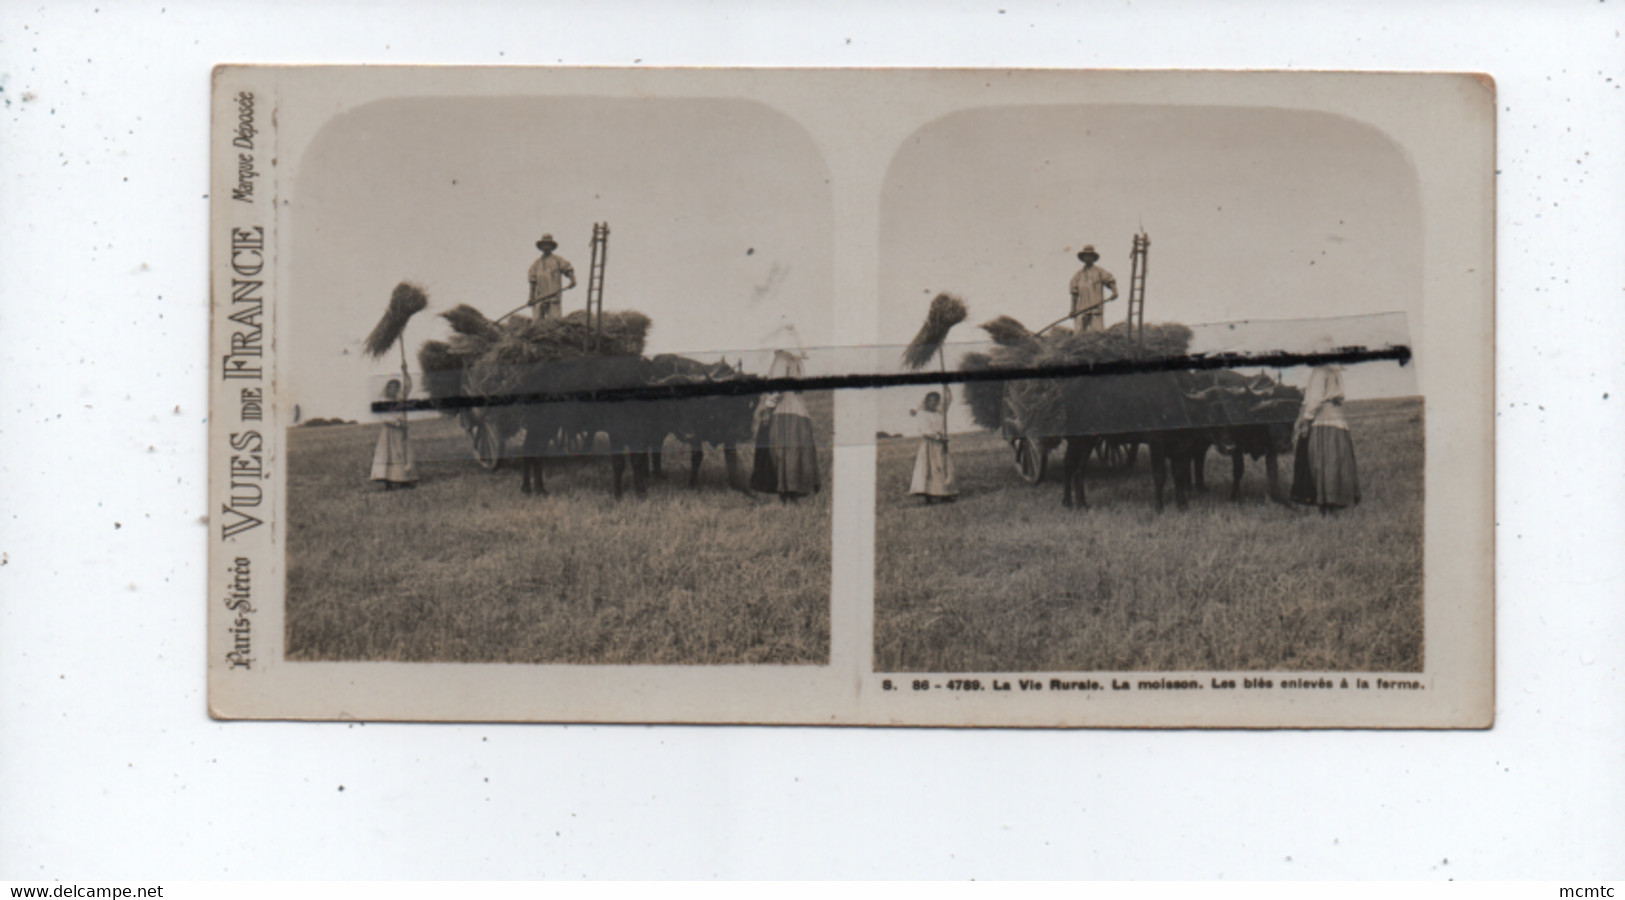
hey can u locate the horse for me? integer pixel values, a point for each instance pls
(1255, 417)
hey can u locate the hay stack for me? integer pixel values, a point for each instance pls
(442, 369)
(468, 347)
(436, 356)
(571, 336)
(485, 359)
(466, 320)
(406, 301)
(1036, 402)
(505, 366)
(1062, 348)
(1008, 332)
(985, 398)
(502, 368)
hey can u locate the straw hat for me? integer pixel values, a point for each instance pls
(547, 243)
(1088, 254)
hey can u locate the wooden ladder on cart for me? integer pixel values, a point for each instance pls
(1136, 287)
(595, 281)
(1112, 452)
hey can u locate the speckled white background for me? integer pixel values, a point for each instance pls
(110, 769)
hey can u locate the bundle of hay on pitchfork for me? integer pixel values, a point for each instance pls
(392, 460)
(487, 359)
(933, 477)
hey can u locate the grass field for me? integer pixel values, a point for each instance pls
(1007, 580)
(466, 568)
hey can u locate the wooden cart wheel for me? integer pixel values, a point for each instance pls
(1032, 460)
(487, 443)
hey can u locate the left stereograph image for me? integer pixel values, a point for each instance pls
(494, 308)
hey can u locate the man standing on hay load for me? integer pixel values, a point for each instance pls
(1089, 292)
(547, 276)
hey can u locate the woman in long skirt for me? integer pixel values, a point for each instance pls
(933, 467)
(1324, 473)
(764, 478)
(392, 459)
(792, 451)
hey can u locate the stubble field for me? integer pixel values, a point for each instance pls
(1007, 580)
(466, 568)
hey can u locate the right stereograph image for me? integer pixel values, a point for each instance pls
(1167, 515)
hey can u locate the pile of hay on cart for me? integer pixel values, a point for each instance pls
(484, 359)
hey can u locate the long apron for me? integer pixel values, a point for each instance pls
(1331, 459)
(392, 458)
(933, 470)
(795, 457)
(1323, 468)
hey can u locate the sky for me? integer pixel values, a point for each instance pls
(1254, 215)
(720, 215)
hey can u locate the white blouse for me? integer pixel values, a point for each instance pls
(787, 403)
(1323, 398)
(932, 422)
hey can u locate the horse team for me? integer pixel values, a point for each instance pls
(1179, 416)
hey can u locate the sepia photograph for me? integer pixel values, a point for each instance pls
(1257, 518)
(977, 442)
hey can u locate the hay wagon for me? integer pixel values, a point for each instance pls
(1033, 415)
(1033, 420)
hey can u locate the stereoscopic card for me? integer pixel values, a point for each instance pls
(852, 397)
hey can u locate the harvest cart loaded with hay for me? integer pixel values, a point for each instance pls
(1178, 414)
(485, 370)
